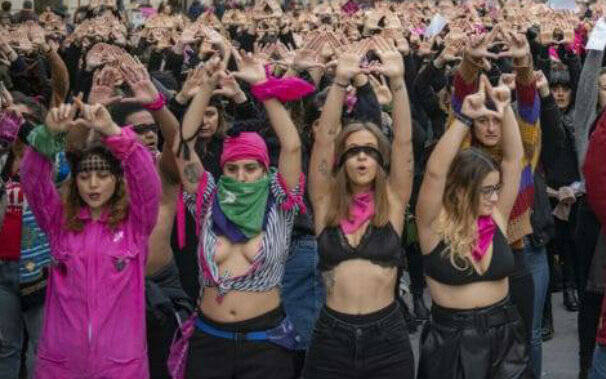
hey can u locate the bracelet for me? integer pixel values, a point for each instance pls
(344, 86)
(467, 121)
(157, 104)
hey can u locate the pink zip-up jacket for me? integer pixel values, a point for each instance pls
(94, 321)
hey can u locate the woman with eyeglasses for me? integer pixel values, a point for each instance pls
(462, 212)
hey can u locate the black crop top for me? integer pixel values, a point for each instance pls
(378, 245)
(438, 266)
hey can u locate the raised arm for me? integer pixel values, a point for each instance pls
(513, 151)
(188, 162)
(325, 134)
(142, 179)
(289, 164)
(432, 189)
(587, 91)
(402, 162)
(145, 93)
(37, 168)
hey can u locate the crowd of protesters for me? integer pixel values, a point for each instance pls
(247, 191)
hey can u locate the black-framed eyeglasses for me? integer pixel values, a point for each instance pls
(144, 128)
(488, 191)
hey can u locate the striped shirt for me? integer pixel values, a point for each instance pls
(267, 268)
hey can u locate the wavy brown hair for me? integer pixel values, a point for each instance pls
(72, 203)
(341, 192)
(457, 224)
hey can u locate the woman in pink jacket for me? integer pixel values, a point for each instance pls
(94, 323)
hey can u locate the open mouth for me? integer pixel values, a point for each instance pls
(94, 196)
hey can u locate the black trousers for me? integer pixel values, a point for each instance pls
(586, 236)
(521, 292)
(164, 298)
(213, 357)
(474, 344)
(372, 346)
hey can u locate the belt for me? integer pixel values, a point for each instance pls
(482, 319)
(283, 335)
(236, 336)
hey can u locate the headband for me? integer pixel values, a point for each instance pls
(93, 162)
(246, 145)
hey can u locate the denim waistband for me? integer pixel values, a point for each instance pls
(381, 319)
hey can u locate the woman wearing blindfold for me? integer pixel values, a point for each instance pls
(359, 200)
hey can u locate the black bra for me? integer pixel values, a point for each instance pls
(502, 264)
(378, 245)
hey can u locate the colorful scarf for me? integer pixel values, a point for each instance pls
(486, 230)
(239, 209)
(362, 209)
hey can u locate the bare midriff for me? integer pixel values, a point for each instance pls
(468, 296)
(360, 287)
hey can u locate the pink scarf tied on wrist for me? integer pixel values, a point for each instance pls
(486, 230)
(361, 210)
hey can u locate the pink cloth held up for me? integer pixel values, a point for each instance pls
(486, 229)
(283, 89)
(362, 209)
(246, 145)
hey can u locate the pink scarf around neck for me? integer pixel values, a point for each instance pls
(362, 209)
(486, 229)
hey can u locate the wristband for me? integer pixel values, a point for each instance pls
(467, 121)
(157, 104)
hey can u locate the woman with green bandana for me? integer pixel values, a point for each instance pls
(244, 221)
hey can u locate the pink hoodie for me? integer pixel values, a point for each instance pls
(94, 321)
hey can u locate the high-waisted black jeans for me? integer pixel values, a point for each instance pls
(372, 346)
(481, 343)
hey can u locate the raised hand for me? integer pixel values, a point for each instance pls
(136, 76)
(102, 91)
(500, 96)
(382, 91)
(192, 84)
(250, 68)
(478, 50)
(518, 46)
(95, 117)
(474, 105)
(392, 64)
(349, 61)
(229, 87)
(59, 119)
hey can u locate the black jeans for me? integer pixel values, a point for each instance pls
(213, 357)
(586, 236)
(521, 291)
(479, 343)
(372, 346)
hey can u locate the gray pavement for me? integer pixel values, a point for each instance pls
(561, 354)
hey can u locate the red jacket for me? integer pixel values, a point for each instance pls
(594, 170)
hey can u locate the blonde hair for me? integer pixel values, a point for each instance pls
(341, 193)
(457, 222)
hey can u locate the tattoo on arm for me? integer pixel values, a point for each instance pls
(323, 168)
(192, 173)
(329, 281)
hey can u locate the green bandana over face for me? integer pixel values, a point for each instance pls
(244, 203)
